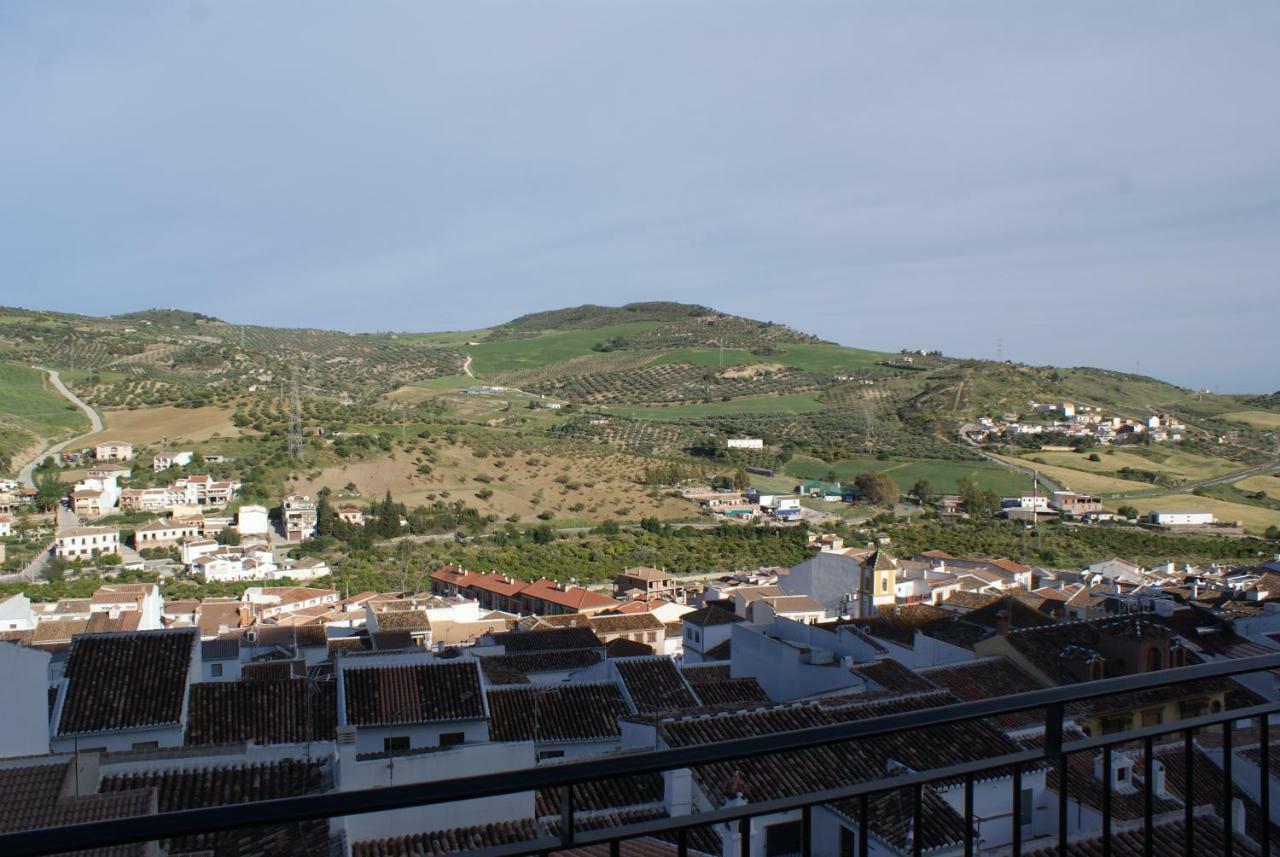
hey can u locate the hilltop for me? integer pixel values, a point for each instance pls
(656, 382)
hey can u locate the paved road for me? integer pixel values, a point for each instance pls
(25, 474)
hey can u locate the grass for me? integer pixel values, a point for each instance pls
(29, 401)
(1255, 518)
(514, 355)
(943, 476)
(1268, 483)
(813, 357)
(1258, 419)
(1078, 480)
(798, 403)
(1166, 459)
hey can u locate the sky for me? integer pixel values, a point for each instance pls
(1057, 183)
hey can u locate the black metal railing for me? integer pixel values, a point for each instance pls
(562, 777)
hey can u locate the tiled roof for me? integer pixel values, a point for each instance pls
(1168, 838)
(721, 652)
(571, 712)
(191, 788)
(403, 620)
(698, 673)
(102, 622)
(1044, 646)
(708, 616)
(285, 712)
(988, 678)
(890, 817)
(33, 797)
(224, 649)
(898, 623)
(125, 681)
(448, 841)
(625, 623)
(572, 597)
(624, 648)
(893, 676)
(655, 684)
(58, 630)
(834, 764)
(422, 693)
(612, 793)
(547, 640)
(526, 663)
(1020, 614)
(730, 690)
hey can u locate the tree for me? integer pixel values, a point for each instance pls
(978, 502)
(1273, 533)
(326, 518)
(877, 488)
(228, 536)
(49, 489)
(1127, 512)
(741, 481)
(922, 490)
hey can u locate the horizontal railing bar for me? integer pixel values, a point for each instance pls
(333, 804)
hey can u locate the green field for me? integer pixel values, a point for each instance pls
(514, 355)
(29, 401)
(1258, 419)
(812, 357)
(1166, 458)
(943, 476)
(799, 403)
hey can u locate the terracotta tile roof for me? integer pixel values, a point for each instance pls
(422, 693)
(890, 816)
(125, 681)
(890, 675)
(988, 678)
(191, 788)
(625, 624)
(830, 765)
(572, 597)
(403, 620)
(1020, 614)
(32, 797)
(551, 639)
(698, 673)
(721, 652)
(58, 630)
(285, 712)
(655, 684)
(623, 648)
(1165, 839)
(526, 663)
(730, 690)
(448, 841)
(963, 599)
(612, 793)
(224, 649)
(899, 623)
(102, 622)
(708, 616)
(571, 712)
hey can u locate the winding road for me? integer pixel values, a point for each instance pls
(95, 421)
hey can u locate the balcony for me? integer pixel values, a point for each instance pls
(1102, 771)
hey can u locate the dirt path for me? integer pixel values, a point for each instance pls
(466, 367)
(95, 423)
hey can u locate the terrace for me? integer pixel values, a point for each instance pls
(898, 805)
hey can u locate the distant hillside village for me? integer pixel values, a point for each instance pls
(1075, 424)
(289, 691)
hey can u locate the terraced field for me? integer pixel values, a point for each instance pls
(503, 356)
(679, 382)
(802, 403)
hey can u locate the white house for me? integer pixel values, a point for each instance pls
(163, 534)
(86, 542)
(252, 521)
(113, 450)
(24, 707)
(16, 613)
(1181, 519)
(227, 564)
(143, 598)
(166, 460)
(745, 443)
(705, 632)
(192, 551)
(6, 525)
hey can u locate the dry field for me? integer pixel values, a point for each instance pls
(1255, 518)
(1267, 483)
(1078, 480)
(152, 425)
(1169, 460)
(602, 482)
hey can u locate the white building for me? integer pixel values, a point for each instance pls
(745, 443)
(246, 562)
(6, 525)
(16, 613)
(253, 521)
(113, 450)
(166, 460)
(24, 707)
(86, 542)
(1181, 519)
(163, 534)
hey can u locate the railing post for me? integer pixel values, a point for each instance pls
(1017, 811)
(1063, 804)
(1189, 791)
(744, 830)
(1228, 791)
(864, 823)
(566, 816)
(806, 831)
(1053, 716)
(917, 820)
(968, 816)
(1148, 793)
(615, 848)
(682, 842)
(1264, 766)
(1106, 801)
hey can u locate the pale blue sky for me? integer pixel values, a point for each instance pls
(1092, 183)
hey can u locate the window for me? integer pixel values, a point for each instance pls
(146, 745)
(1155, 659)
(847, 842)
(782, 839)
(452, 739)
(1152, 717)
(651, 637)
(215, 670)
(551, 754)
(396, 744)
(1028, 805)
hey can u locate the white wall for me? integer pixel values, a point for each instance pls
(24, 706)
(783, 669)
(468, 760)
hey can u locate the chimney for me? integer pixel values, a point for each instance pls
(1159, 784)
(677, 786)
(1237, 816)
(1002, 622)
